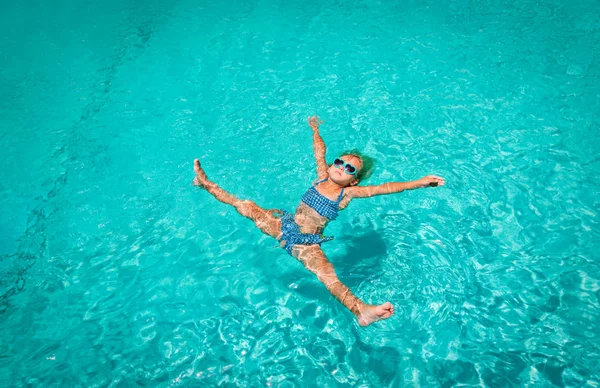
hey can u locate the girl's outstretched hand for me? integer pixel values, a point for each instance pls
(431, 181)
(314, 122)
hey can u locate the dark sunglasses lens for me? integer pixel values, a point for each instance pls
(338, 162)
(350, 169)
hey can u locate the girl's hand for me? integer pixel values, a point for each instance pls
(430, 181)
(314, 122)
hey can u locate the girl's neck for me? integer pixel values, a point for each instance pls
(331, 185)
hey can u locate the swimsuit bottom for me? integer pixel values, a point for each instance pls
(291, 235)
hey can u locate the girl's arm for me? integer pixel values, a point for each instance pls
(395, 187)
(319, 146)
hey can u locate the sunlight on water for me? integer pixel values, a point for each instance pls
(115, 270)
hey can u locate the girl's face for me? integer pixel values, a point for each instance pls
(339, 174)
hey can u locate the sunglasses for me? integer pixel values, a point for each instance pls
(348, 168)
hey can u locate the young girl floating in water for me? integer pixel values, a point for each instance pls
(300, 233)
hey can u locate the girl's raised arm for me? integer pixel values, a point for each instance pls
(319, 147)
(395, 187)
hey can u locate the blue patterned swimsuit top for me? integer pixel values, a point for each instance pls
(322, 205)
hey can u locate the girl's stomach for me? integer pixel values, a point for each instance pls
(309, 220)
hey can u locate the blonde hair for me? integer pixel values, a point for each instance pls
(368, 163)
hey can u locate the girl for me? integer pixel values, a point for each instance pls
(300, 233)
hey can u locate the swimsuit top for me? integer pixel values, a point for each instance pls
(321, 204)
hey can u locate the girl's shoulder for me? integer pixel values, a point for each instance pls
(359, 191)
(348, 191)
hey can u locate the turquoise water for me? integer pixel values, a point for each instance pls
(115, 271)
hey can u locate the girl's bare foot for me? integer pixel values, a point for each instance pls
(372, 313)
(201, 179)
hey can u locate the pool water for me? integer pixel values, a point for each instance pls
(115, 271)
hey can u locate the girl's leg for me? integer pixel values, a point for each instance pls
(314, 260)
(263, 218)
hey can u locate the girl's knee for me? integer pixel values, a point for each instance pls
(246, 208)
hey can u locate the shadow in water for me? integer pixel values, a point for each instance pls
(362, 258)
